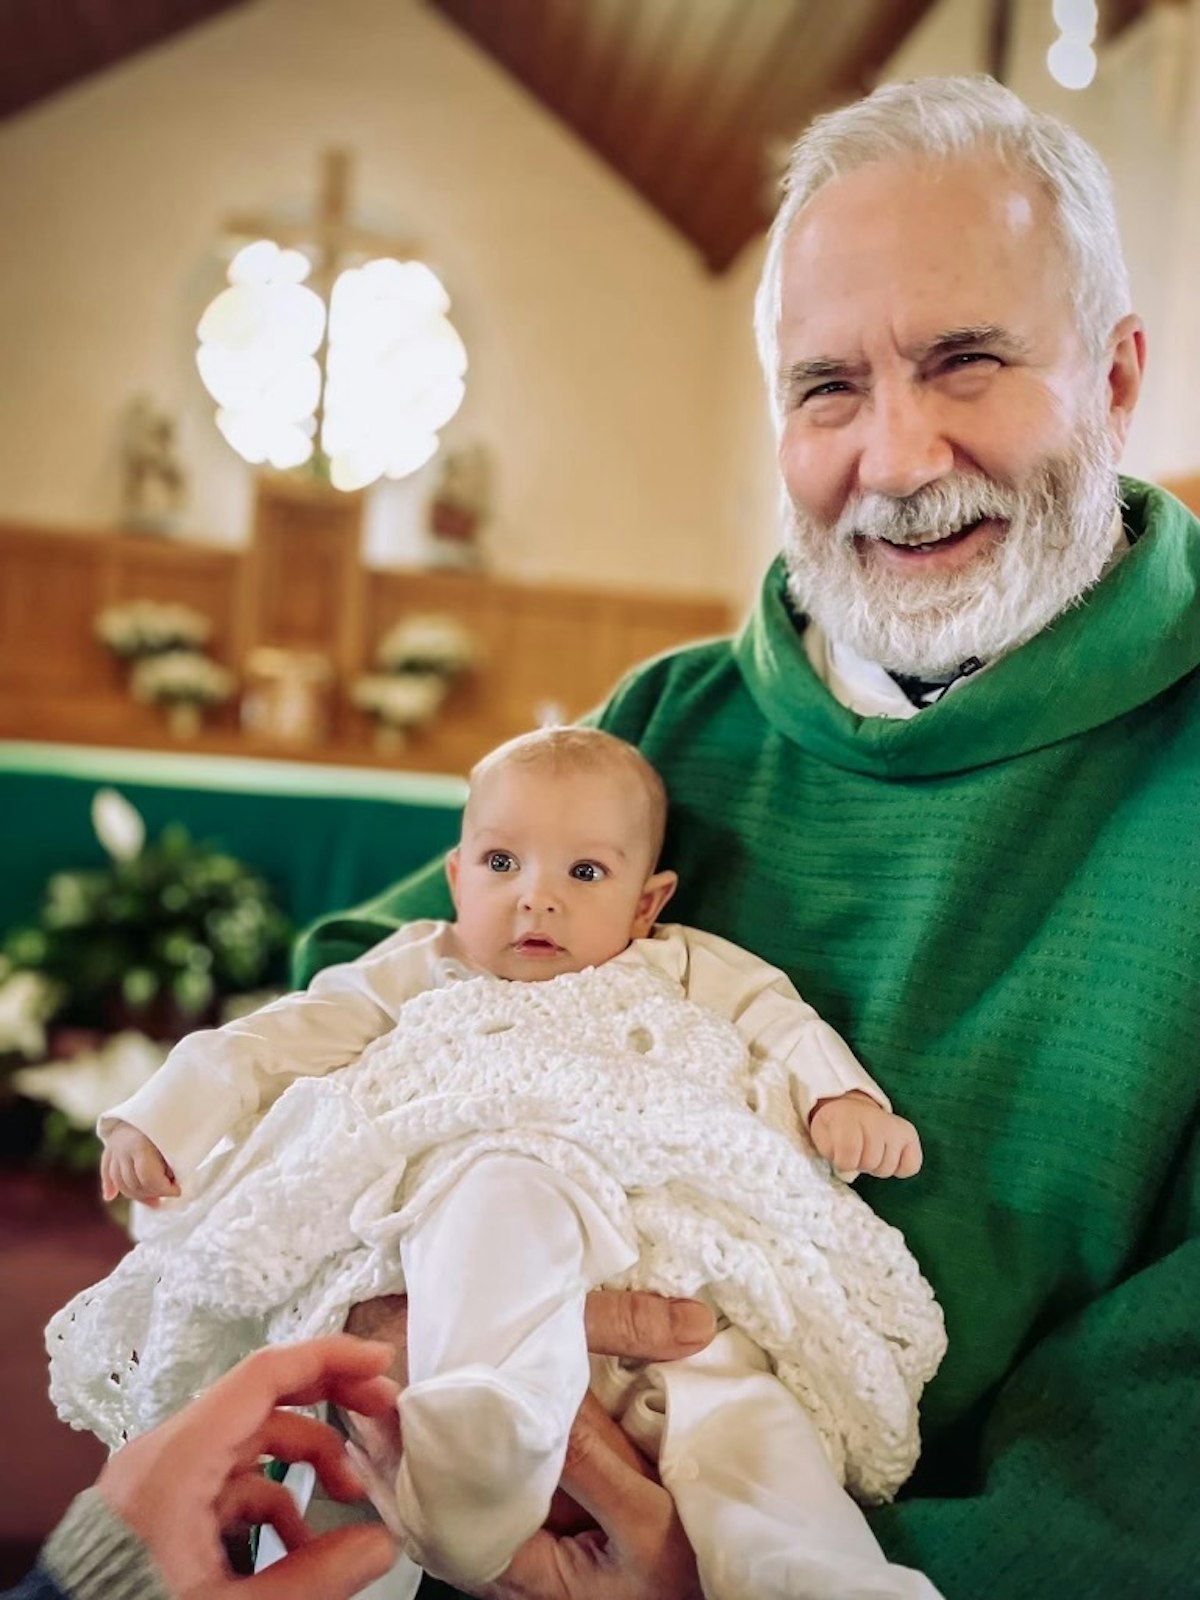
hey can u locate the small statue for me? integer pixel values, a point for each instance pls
(154, 485)
(461, 504)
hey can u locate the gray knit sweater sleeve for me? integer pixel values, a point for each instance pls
(93, 1555)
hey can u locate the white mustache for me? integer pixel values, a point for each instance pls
(935, 512)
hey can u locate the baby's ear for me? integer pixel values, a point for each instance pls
(452, 875)
(659, 888)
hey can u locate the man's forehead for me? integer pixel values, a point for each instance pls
(928, 247)
(898, 194)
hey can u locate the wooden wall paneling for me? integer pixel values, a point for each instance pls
(305, 564)
(539, 646)
(648, 627)
(207, 580)
(52, 585)
(473, 601)
(305, 583)
(559, 659)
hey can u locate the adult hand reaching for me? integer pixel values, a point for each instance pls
(182, 1485)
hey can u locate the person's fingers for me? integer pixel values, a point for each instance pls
(889, 1160)
(642, 1534)
(130, 1184)
(910, 1159)
(626, 1502)
(151, 1173)
(850, 1149)
(108, 1184)
(818, 1132)
(332, 1567)
(250, 1498)
(871, 1150)
(629, 1322)
(291, 1437)
(538, 1571)
(384, 1318)
(377, 1437)
(339, 1367)
(598, 1424)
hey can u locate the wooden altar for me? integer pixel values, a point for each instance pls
(302, 586)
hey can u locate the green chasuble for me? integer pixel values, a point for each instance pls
(997, 902)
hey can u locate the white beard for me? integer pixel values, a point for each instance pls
(1056, 547)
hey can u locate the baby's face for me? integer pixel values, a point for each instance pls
(553, 871)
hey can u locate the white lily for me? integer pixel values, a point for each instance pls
(91, 1083)
(118, 824)
(26, 1000)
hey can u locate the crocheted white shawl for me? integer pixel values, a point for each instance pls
(609, 1075)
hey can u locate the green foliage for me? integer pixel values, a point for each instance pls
(64, 1145)
(168, 932)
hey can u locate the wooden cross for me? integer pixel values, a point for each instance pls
(330, 240)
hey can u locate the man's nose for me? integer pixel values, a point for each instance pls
(905, 446)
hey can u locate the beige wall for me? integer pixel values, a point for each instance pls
(591, 325)
(614, 379)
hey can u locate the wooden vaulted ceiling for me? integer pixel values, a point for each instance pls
(691, 101)
(694, 102)
(47, 45)
(687, 98)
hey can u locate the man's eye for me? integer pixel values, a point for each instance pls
(822, 390)
(969, 358)
(588, 871)
(500, 861)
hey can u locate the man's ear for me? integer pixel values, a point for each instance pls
(1127, 363)
(452, 875)
(659, 888)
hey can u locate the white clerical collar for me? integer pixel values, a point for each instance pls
(868, 689)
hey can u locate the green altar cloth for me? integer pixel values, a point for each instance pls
(325, 836)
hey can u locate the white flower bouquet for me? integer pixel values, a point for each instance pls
(400, 700)
(83, 1088)
(427, 643)
(27, 1000)
(180, 677)
(138, 628)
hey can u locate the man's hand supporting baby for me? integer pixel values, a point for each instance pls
(628, 1542)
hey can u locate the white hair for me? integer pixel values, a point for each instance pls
(946, 118)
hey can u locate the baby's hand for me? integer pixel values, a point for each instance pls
(132, 1166)
(855, 1134)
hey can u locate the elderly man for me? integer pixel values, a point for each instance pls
(947, 778)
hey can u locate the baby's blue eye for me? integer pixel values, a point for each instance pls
(588, 871)
(500, 861)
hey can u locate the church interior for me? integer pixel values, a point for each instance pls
(254, 630)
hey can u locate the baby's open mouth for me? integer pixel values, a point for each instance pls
(537, 944)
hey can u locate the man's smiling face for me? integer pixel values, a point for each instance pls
(949, 444)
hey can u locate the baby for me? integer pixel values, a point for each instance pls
(551, 1092)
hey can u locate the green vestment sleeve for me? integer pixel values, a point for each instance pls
(350, 934)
